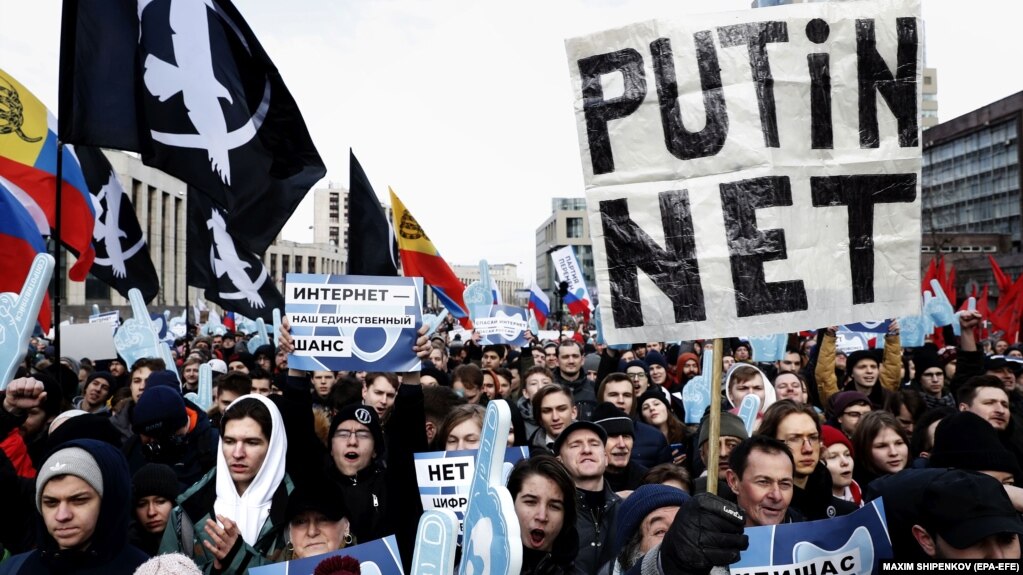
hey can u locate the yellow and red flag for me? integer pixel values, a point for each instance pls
(420, 258)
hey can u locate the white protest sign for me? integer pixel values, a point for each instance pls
(110, 317)
(353, 322)
(753, 172)
(91, 340)
(445, 477)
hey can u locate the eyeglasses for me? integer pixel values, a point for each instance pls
(346, 434)
(797, 441)
(636, 376)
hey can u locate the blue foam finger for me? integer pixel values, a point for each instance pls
(436, 541)
(492, 542)
(478, 293)
(765, 347)
(277, 327)
(205, 386)
(136, 339)
(748, 410)
(434, 321)
(911, 331)
(260, 338)
(19, 314)
(938, 308)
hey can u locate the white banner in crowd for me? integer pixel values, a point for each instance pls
(751, 173)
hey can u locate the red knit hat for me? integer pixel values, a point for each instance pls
(683, 358)
(831, 436)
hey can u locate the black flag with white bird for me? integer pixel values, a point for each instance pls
(122, 255)
(229, 274)
(187, 84)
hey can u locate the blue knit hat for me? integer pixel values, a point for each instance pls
(165, 378)
(160, 411)
(641, 503)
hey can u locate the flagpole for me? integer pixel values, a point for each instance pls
(55, 235)
(715, 417)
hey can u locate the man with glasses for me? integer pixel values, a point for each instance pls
(639, 376)
(848, 408)
(799, 428)
(930, 375)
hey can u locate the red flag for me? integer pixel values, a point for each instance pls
(950, 285)
(1006, 316)
(932, 273)
(1003, 281)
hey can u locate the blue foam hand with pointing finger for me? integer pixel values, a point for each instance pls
(19, 314)
(136, 338)
(769, 347)
(696, 393)
(433, 321)
(911, 331)
(478, 296)
(492, 544)
(748, 410)
(938, 308)
(260, 338)
(277, 327)
(205, 386)
(436, 541)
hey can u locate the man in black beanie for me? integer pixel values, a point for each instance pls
(170, 430)
(965, 441)
(622, 474)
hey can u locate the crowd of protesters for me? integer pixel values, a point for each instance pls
(114, 468)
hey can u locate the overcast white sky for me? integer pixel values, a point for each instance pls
(464, 107)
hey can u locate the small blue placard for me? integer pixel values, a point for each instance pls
(353, 323)
(869, 326)
(379, 556)
(853, 543)
(504, 324)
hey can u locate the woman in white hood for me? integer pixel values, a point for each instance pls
(744, 379)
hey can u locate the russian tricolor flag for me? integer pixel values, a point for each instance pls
(539, 303)
(20, 241)
(28, 159)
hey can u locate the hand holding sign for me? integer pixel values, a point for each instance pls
(696, 393)
(492, 544)
(18, 315)
(478, 294)
(435, 543)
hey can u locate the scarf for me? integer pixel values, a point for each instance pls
(251, 509)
